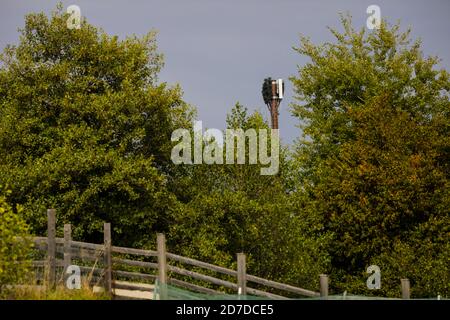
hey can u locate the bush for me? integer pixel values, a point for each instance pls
(15, 247)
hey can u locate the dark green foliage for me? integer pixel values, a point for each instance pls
(85, 128)
(233, 208)
(374, 161)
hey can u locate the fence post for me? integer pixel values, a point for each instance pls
(162, 265)
(324, 286)
(51, 247)
(241, 274)
(107, 257)
(406, 294)
(67, 248)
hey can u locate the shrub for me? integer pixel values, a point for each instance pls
(15, 246)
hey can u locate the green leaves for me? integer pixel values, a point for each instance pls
(15, 245)
(374, 155)
(85, 128)
(232, 208)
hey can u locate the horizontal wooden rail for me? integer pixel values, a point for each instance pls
(201, 264)
(132, 286)
(95, 252)
(193, 287)
(143, 264)
(139, 252)
(40, 239)
(203, 277)
(92, 246)
(134, 275)
(83, 254)
(60, 241)
(92, 269)
(282, 286)
(266, 294)
(43, 263)
(45, 240)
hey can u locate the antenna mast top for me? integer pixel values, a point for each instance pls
(273, 93)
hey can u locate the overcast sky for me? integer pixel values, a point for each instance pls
(220, 51)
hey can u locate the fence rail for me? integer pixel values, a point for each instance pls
(109, 267)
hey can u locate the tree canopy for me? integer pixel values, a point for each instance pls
(374, 158)
(85, 128)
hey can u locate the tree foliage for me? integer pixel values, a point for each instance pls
(233, 208)
(14, 244)
(85, 128)
(374, 159)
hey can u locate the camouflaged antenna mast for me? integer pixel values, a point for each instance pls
(273, 92)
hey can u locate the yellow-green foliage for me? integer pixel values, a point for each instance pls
(14, 246)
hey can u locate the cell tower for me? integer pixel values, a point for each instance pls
(272, 92)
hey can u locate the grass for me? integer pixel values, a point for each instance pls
(34, 291)
(60, 292)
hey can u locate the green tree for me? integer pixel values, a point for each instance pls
(374, 157)
(85, 128)
(15, 246)
(232, 208)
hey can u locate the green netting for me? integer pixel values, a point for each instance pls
(352, 297)
(170, 292)
(356, 297)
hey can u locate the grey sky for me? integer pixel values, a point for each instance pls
(220, 51)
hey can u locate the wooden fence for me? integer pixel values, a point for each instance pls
(106, 256)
